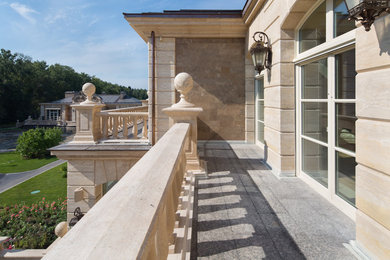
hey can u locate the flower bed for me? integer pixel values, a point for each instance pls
(31, 226)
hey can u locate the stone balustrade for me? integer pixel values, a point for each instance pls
(137, 217)
(118, 121)
(95, 125)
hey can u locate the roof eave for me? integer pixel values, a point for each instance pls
(187, 26)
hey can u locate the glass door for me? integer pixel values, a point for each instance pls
(326, 126)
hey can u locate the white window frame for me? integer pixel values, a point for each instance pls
(257, 111)
(328, 49)
(51, 110)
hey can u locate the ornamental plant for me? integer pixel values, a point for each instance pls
(35, 142)
(31, 226)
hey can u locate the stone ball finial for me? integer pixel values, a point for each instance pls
(89, 89)
(61, 229)
(183, 83)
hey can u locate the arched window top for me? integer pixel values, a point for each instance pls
(313, 31)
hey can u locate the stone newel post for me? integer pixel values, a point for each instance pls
(87, 125)
(185, 112)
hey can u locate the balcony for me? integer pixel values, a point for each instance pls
(185, 199)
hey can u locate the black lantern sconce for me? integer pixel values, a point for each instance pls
(261, 52)
(366, 11)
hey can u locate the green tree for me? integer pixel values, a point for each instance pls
(25, 83)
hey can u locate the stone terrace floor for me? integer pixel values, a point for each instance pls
(244, 212)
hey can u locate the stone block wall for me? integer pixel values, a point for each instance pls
(218, 69)
(279, 91)
(373, 138)
(90, 175)
(165, 74)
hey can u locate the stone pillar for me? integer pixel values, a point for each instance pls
(185, 112)
(87, 125)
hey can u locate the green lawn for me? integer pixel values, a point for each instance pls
(13, 162)
(52, 185)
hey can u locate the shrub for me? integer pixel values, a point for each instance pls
(32, 226)
(64, 170)
(35, 142)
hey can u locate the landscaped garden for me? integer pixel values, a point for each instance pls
(30, 211)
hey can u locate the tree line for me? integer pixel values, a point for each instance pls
(25, 83)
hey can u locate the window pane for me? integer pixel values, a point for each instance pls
(312, 32)
(345, 126)
(315, 120)
(259, 84)
(260, 110)
(345, 179)
(315, 80)
(341, 23)
(260, 131)
(345, 75)
(315, 161)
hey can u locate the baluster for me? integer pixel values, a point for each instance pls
(115, 128)
(135, 127)
(110, 124)
(125, 127)
(145, 128)
(105, 126)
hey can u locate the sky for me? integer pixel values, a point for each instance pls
(89, 36)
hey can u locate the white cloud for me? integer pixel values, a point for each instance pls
(52, 18)
(24, 11)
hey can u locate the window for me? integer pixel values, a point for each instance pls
(341, 22)
(326, 103)
(52, 114)
(259, 88)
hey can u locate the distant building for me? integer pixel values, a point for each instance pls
(60, 112)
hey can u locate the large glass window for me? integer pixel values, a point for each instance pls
(326, 101)
(259, 86)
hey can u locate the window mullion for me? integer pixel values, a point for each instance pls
(329, 20)
(331, 124)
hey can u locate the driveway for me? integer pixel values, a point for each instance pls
(7, 181)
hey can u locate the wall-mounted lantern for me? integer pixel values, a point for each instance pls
(261, 52)
(366, 11)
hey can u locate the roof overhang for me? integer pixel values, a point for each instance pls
(251, 10)
(189, 24)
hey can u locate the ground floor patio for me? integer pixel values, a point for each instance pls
(242, 211)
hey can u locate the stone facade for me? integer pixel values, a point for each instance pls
(372, 138)
(217, 66)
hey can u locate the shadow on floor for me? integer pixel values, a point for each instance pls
(232, 218)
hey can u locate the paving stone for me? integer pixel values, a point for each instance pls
(244, 212)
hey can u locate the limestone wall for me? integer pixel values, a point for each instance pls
(279, 92)
(165, 74)
(218, 69)
(373, 138)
